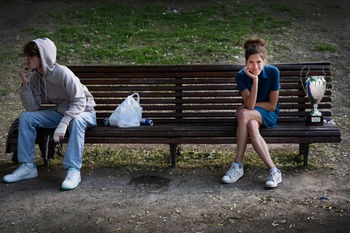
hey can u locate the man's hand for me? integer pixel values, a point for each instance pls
(60, 131)
(24, 73)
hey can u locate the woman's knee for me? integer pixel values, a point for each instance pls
(243, 116)
(253, 127)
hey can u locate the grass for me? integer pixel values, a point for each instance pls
(324, 47)
(119, 34)
(287, 158)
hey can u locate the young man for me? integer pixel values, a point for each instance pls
(74, 110)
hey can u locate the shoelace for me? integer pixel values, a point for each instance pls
(72, 175)
(232, 172)
(273, 176)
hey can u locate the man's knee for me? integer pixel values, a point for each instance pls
(25, 117)
(78, 122)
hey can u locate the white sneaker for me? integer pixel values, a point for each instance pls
(274, 179)
(233, 174)
(72, 179)
(21, 173)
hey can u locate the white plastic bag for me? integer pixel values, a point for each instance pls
(128, 113)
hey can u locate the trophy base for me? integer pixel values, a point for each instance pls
(314, 120)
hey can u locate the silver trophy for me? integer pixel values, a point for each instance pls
(315, 87)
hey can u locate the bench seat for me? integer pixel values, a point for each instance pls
(216, 133)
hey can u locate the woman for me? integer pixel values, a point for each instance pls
(259, 86)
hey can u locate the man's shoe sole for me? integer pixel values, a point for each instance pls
(14, 181)
(69, 188)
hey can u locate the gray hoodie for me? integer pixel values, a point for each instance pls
(57, 85)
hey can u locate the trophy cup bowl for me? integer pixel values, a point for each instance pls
(315, 87)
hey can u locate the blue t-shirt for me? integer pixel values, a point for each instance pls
(269, 80)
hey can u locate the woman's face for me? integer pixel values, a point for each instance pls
(255, 64)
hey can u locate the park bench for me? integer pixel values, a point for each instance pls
(195, 104)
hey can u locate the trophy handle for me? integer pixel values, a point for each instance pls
(301, 77)
(324, 71)
(329, 68)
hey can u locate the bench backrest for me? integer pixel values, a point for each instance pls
(194, 93)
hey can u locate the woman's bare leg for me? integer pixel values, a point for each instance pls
(259, 143)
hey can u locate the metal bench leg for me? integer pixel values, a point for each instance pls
(173, 150)
(304, 149)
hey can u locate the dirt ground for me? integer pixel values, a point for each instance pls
(192, 200)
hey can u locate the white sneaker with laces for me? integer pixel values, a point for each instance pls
(72, 179)
(233, 174)
(274, 179)
(21, 173)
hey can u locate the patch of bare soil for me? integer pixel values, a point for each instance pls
(192, 200)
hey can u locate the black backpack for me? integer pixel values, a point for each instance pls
(48, 147)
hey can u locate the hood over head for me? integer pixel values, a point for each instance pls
(48, 53)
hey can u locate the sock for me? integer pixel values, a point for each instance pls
(239, 164)
(74, 169)
(274, 169)
(30, 165)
